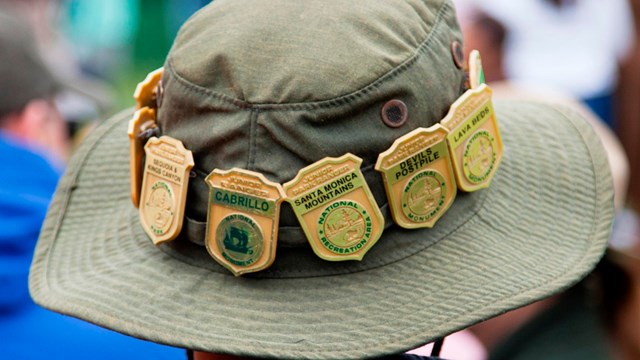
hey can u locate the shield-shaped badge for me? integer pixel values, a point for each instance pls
(164, 188)
(142, 120)
(418, 177)
(474, 139)
(242, 224)
(335, 208)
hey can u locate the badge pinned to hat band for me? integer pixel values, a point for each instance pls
(147, 90)
(474, 139)
(242, 223)
(164, 188)
(335, 208)
(418, 177)
(143, 120)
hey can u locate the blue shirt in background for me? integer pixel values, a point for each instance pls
(27, 331)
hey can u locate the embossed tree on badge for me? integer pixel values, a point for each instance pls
(244, 210)
(336, 209)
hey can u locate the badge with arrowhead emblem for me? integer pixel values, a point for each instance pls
(474, 139)
(335, 208)
(142, 120)
(242, 224)
(147, 91)
(418, 177)
(164, 188)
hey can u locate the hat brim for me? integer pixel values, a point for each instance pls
(540, 227)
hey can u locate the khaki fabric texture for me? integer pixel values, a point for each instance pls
(241, 92)
(536, 230)
(272, 87)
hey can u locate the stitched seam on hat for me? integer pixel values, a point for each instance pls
(481, 205)
(597, 179)
(524, 294)
(328, 103)
(548, 283)
(253, 135)
(593, 231)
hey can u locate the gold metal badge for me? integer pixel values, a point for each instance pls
(474, 139)
(142, 119)
(242, 224)
(418, 177)
(476, 72)
(164, 188)
(146, 91)
(335, 208)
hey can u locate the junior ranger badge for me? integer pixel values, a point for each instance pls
(335, 208)
(242, 224)
(164, 188)
(142, 120)
(418, 177)
(474, 139)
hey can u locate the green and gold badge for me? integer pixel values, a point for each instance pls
(242, 226)
(418, 177)
(474, 139)
(164, 188)
(336, 209)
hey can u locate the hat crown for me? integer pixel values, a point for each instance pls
(283, 52)
(276, 93)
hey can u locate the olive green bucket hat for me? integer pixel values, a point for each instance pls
(272, 87)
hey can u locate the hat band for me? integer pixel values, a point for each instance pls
(288, 236)
(331, 198)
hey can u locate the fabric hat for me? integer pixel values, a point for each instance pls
(22, 74)
(273, 87)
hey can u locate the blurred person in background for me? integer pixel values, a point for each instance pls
(559, 42)
(628, 129)
(84, 97)
(571, 46)
(34, 143)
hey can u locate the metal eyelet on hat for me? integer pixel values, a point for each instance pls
(394, 113)
(458, 54)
